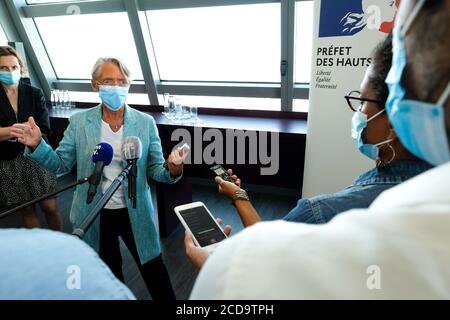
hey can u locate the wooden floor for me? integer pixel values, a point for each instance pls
(182, 273)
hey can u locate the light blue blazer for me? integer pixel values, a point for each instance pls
(76, 147)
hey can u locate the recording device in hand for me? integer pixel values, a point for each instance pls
(131, 152)
(221, 172)
(102, 156)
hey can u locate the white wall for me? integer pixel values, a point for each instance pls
(332, 158)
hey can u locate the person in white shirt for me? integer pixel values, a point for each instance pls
(398, 248)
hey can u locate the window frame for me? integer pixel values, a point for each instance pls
(3, 33)
(286, 90)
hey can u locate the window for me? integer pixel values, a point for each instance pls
(218, 56)
(3, 38)
(271, 104)
(50, 1)
(75, 42)
(304, 12)
(224, 44)
(300, 105)
(133, 98)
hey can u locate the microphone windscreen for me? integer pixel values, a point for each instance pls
(132, 148)
(103, 152)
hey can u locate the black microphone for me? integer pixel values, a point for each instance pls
(131, 152)
(102, 156)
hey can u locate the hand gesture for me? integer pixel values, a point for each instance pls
(27, 133)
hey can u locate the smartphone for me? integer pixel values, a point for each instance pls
(196, 218)
(221, 172)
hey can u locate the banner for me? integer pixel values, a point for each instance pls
(345, 34)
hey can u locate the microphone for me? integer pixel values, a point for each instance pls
(102, 156)
(131, 152)
(96, 209)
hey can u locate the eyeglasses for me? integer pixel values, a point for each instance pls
(355, 102)
(120, 83)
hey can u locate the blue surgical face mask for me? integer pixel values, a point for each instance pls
(359, 123)
(419, 125)
(10, 78)
(114, 97)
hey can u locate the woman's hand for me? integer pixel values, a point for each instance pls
(175, 162)
(228, 188)
(235, 178)
(245, 209)
(28, 133)
(197, 255)
(5, 134)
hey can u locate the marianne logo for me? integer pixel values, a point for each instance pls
(349, 17)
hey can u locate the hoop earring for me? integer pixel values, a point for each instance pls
(381, 163)
(393, 154)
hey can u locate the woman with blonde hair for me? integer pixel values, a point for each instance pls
(21, 179)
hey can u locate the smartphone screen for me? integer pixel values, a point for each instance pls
(202, 226)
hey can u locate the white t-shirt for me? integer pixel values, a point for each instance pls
(115, 139)
(399, 248)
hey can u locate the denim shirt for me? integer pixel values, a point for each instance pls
(360, 194)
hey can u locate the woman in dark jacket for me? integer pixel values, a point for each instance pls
(21, 179)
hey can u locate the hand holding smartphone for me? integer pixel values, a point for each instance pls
(196, 218)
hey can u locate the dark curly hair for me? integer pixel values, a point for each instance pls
(428, 69)
(381, 64)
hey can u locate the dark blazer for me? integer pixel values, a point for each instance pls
(31, 103)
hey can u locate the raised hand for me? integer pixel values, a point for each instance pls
(175, 162)
(27, 133)
(235, 178)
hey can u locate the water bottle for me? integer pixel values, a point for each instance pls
(186, 112)
(178, 110)
(53, 98)
(194, 114)
(66, 100)
(172, 108)
(59, 99)
(166, 104)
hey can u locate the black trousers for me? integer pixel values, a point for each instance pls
(115, 224)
